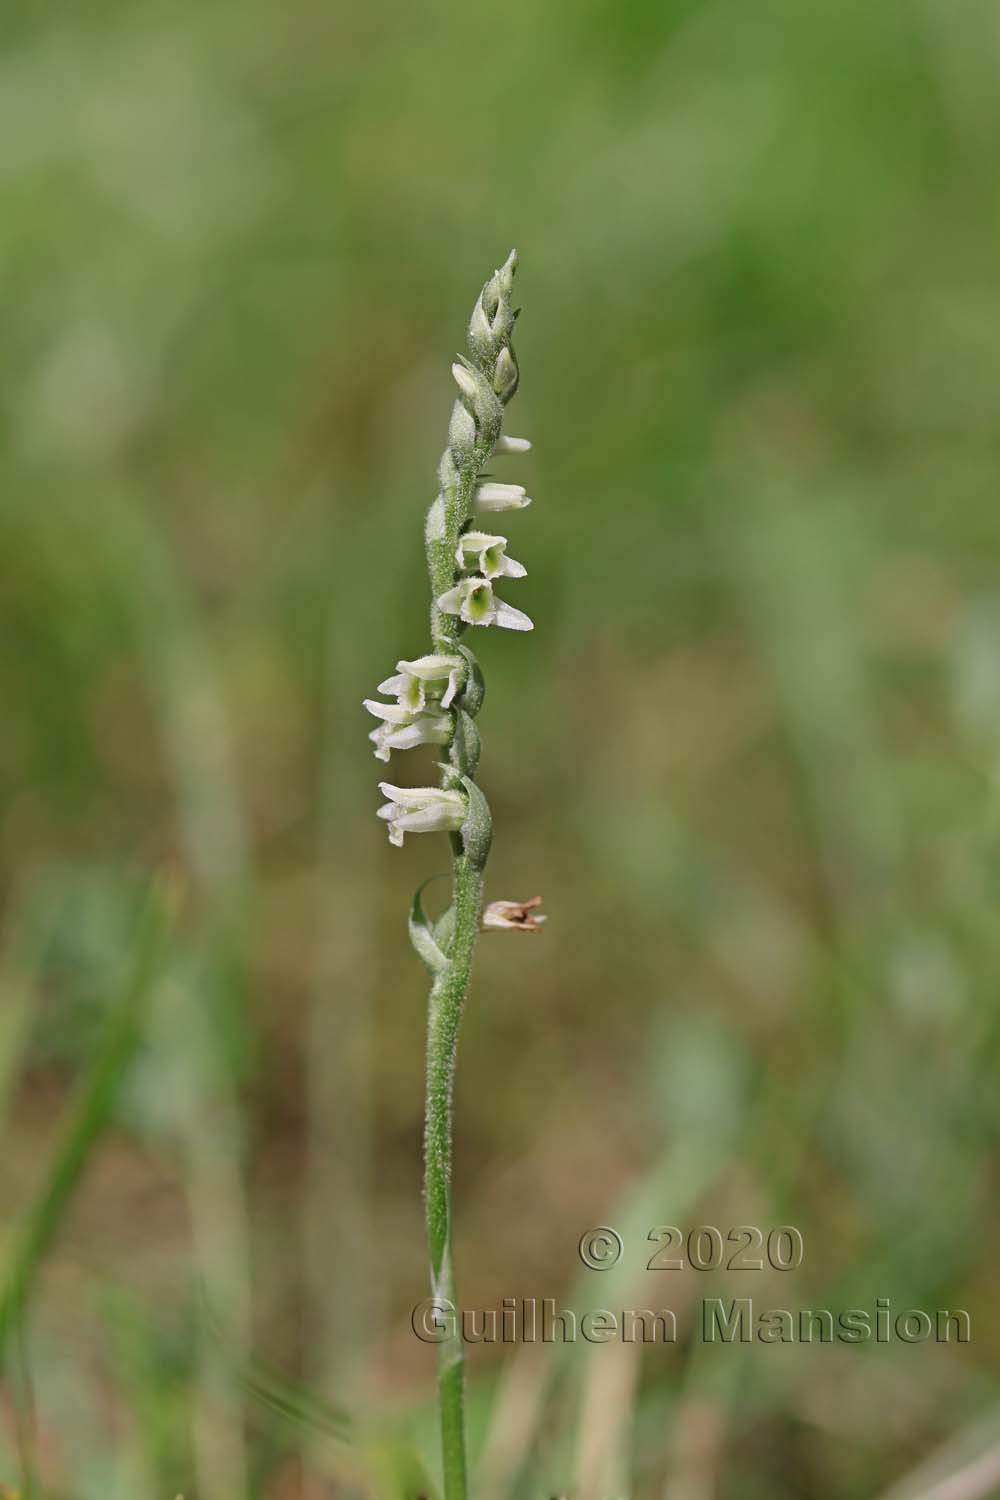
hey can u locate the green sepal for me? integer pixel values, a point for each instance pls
(477, 830)
(422, 934)
(474, 692)
(465, 744)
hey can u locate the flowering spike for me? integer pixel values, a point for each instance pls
(436, 699)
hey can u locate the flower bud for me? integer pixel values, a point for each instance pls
(505, 376)
(462, 430)
(481, 398)
(436, 525)
(493, 496)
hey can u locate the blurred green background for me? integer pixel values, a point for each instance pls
(747, 756)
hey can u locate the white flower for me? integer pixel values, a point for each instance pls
(420, 809)
(493, 496)
(480, 549)
(512, 445)
(431, 671)
(513, 916)
(434, 729)
(408, 690)
(474, 601)
(422, 689)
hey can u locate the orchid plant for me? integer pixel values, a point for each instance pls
(434, 701)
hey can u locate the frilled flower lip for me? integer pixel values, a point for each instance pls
(487, 552)
(474, 601)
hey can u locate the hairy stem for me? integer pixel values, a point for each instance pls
(486, 381)
(445, 1013)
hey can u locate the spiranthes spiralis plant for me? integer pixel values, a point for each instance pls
(436, 698)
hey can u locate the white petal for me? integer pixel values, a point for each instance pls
(395, 794)
(410, 797)
(492, 495)
(378, 738)
(393, 713)
(456, 677)
(392, 685)
(511, 445)
(491, 505)
(429, 668)
(474, 543)
(509, 618)
(511, 568)
(428, 731)
(430, 820)
(452, 602)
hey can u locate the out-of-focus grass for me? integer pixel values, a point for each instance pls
(749, 754)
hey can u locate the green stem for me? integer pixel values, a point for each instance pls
(472, 434)
(445, 1013)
